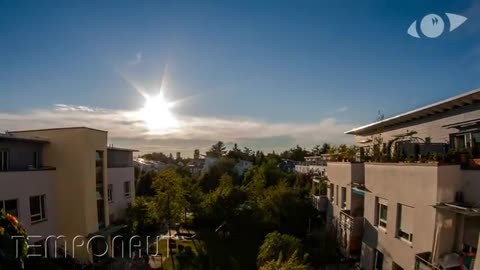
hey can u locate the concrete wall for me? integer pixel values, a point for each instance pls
(23, 185)
(343, 174)
(119, 158)
(20, 153)
(116, 177)
(414, 185)
(72, 151)
(471, 186)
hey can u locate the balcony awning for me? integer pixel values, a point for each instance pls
(459, 209)
(464, 124)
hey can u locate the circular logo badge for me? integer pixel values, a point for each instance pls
(432, 25)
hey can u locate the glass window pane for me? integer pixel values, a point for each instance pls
(42, 201)
(383, 212)
(11, 207)
(34, 205)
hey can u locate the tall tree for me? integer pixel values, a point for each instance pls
(196, 154)
(217, 150)
(170, 198)
(325, 148)
(277, 245)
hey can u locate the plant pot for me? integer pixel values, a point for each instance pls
(474, 162)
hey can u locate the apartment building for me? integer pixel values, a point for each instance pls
(315, 165)
(121, 181)
(57, 180)
(421, 199)
(345, 192)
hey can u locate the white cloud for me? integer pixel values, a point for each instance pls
(194, 132)
(343, 109)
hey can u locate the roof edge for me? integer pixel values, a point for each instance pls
(430, 106)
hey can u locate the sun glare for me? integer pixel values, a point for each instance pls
(157, 115)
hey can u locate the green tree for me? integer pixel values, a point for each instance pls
(325, 148)
(170, 197)
(196, 154)
(277, 245)
(224, 165)
(286, 209)
(217, 150)
(292, 263)
(144, 185)
(142, 215)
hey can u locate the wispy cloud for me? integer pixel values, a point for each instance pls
(126, 128)
(137, 60)
(343, 109)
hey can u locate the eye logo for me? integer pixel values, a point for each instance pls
(432, 25)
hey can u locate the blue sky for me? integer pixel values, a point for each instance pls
(268, 74)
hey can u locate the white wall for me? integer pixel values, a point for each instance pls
(116, 177)
(22, 185)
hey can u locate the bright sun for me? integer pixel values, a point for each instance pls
(157, 115)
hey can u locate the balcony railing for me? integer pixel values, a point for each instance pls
(423, 262)
(349, 233)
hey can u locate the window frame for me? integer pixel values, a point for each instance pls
(17, 209)
(376, 258)
(336, 194)
(36, 162)
(403, 235)
(4, 160)
(379, 221)
(42, 209)
(125, 193)
(110, 193)
(344, 198)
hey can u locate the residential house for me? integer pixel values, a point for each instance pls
(418, 213)
(56, 181)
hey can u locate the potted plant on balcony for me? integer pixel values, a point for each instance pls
(474, 161)
(13, 242)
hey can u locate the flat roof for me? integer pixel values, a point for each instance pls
(432, 109)
(60, 128)
(9, 136)
(121, 149)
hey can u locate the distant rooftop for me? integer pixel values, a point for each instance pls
(11, 136)
(60, 128)
(111, 147)
(443, 106)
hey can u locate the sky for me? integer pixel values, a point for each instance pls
(266, 74)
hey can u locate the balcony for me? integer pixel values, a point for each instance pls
(349, 234)
(423, 262)
(315, 170)
(457, 230)
(320, 202)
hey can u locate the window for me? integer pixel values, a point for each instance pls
(344, 198)
(110, 192)
(405, 222)
(332, 187)
(3, 160)
(460, 141)
(35, 160)
(382, 210)
(126, 188)
(37, 208)
(10, 207)
(336, 196)
(378, 260)
(396, 266)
